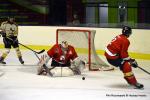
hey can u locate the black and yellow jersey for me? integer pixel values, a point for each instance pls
(11, 29)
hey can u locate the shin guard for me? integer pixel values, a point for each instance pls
(128, 74)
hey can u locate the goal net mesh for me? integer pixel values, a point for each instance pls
(83, 42)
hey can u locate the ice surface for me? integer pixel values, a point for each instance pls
(20, 82)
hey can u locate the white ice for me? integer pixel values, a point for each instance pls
(20, 82)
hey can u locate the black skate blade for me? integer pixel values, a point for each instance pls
(139, 88)
(3, 63)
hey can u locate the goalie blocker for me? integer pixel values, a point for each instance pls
(64, 60)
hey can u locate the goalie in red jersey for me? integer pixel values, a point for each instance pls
(117, 55)
(62, 55)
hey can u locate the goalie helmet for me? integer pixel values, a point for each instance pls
(64, 44)
(126, 30)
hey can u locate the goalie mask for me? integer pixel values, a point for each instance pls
(64, 45)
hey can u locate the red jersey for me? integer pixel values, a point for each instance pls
(60, 56)
(118, 48)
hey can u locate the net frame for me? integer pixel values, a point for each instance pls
(89, 32)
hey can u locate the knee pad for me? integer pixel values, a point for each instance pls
(131, 80)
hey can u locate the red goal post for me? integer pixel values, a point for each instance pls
(83, 41)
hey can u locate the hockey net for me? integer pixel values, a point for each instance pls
(83, 42)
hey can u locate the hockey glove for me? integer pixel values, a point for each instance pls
(133, 63)
(3, 34)
(15, 41)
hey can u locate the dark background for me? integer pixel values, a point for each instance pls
(60, 12)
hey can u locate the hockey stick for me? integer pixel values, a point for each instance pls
(144, 70)
(28, 47)
(32, 49)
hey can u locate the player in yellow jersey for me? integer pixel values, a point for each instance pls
(9, 31)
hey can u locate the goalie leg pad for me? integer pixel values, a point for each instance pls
(77, 67)
(41, 71)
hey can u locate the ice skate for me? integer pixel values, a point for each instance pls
(42, 72)
(21, 60)
(138, 86)
(2, 60)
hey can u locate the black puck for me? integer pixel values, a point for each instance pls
(83, 78)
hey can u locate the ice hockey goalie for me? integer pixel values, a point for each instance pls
(63, 57)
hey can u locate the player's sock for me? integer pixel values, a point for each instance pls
(129, 76)
(132, 81)
(19, 55)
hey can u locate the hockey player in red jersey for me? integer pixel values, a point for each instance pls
(61, 55)
(117, 55)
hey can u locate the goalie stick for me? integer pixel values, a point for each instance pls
(144, 70)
